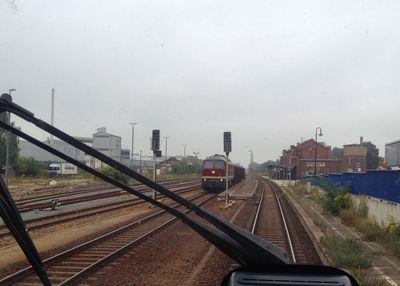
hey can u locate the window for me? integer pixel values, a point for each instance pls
(208, 165)
(219, 164)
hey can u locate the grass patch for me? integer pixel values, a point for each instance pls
(346, 253)
(365, 279)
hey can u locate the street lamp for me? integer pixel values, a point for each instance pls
(8, 140)
(133, 137)
(316, 142)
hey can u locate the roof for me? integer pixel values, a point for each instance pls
(217, 157)
(353, 145)
(323, 144)
(169, 161)
(223, 158)
(393, 142)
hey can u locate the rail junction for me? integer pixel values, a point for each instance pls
(92, 261)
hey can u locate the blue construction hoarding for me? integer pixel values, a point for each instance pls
(384, 185)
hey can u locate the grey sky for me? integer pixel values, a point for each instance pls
(194, 69)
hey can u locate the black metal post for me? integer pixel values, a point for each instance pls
(316, 146)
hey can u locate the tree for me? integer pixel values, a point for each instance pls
(263, 168)
(337, 153)
(114, 174)
(13, 144)
(372, 155)
(27, 167)
(187, 166)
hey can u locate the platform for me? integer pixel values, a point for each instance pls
(242, 190)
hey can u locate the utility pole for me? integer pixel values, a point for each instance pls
(195, 164)
(140, 162)
(184, 151)
(290, 170)
(133, 138)
(8, 141)
(251, 165)
(166, 146)
(52, 114)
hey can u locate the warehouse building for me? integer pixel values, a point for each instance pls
(392, 154)
(29, 150)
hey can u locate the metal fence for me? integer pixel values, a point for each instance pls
(384, 185)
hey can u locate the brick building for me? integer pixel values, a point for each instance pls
(300, 159)
(354, 158)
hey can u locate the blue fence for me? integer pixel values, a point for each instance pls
(383, 185)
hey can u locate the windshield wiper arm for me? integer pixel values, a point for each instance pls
(13, 220)
(264, 252)
(216, 237)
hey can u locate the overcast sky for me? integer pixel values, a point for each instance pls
(268, 71)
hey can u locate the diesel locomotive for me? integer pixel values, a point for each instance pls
(214, 173)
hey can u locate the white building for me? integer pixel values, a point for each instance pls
(108, 144)
(28, 150)
(392, 153)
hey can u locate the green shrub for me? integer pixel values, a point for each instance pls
(27, 167)
(112, 173)
(371, 230)
(334, 198)
(362, 208)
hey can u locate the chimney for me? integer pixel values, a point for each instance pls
(361, 140)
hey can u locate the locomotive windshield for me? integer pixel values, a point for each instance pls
(219, 165)
(208, 164)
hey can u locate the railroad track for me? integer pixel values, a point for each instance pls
(277, 222)
(42, 222)
(88, 194)
(71, 265)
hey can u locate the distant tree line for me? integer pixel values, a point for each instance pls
(187, 166)
(265, 168)
(3, 146)
(20, 166)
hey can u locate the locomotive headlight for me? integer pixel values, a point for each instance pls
(212, 172)
(204, 180)
(221, 180)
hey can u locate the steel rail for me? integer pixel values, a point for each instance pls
(282, 215)
(126, 247)
(256, 218)
(292, 254)
(82, 213)
(23, 273)
(73, 197)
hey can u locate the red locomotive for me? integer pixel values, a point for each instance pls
(213, 174)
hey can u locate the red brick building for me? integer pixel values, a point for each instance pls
(300, 159)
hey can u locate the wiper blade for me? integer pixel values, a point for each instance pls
(261, 251)
(13, 220)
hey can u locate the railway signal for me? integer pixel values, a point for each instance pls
(227, 143)
(155, 147)
(155, 140)
(227, 150)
